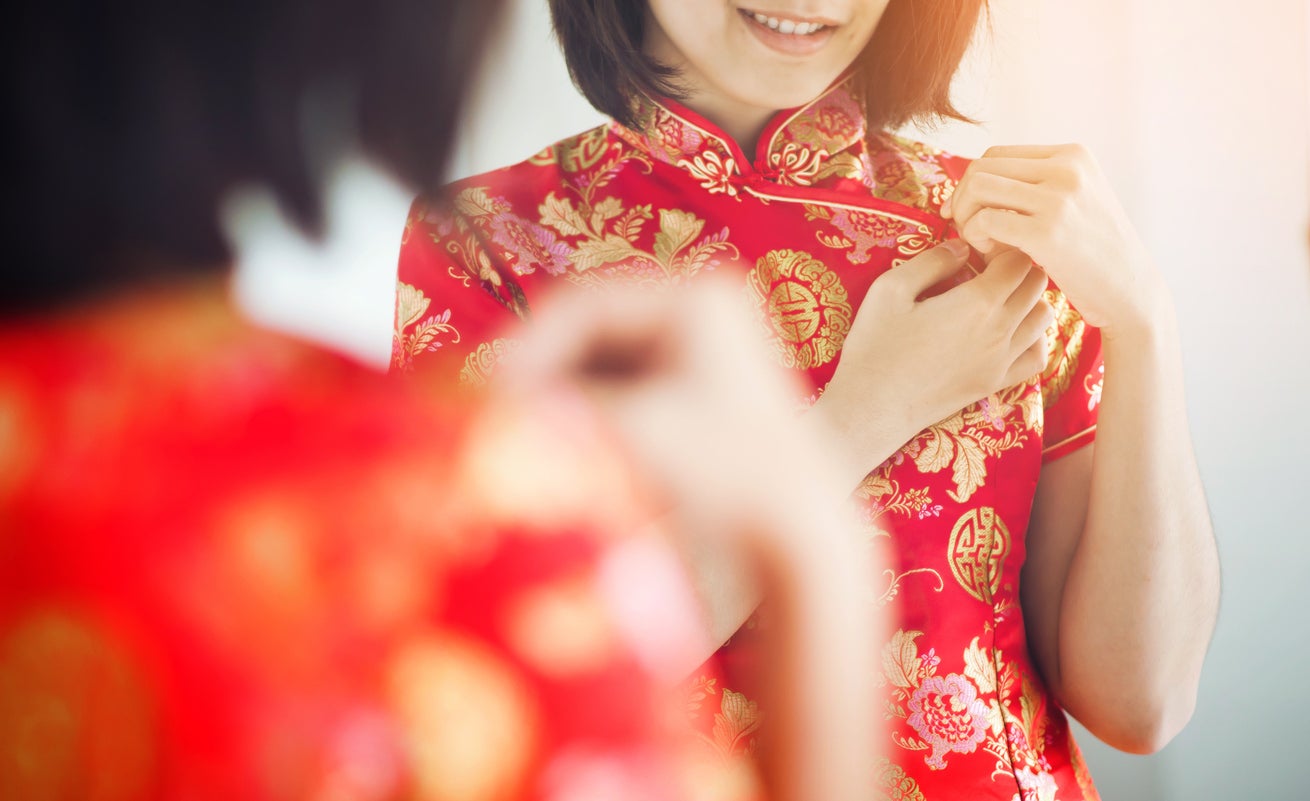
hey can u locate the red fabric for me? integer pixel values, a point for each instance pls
(234, 567)
(806, 225)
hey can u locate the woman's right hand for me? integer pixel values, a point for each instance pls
(911, 361)
(683, 382)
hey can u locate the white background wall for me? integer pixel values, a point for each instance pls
(1198, 112)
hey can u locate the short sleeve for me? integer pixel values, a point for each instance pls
(1071, 382)
(453, 305)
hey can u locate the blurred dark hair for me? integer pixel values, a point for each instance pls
(130, 120)
(904, 73)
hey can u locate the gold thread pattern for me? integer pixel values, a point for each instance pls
(1064, 346)
(805, 305)
(483, 360)
(978, 547)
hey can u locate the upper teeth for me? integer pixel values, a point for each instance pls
(788, 26)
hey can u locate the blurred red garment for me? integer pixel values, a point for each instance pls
(236, 567)
(804, 226)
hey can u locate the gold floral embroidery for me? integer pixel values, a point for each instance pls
(979, 544)
(908, 172)
(575, 154)
(701, 689)
(606, 235)
(963, 712)
(411, 305)
(483, 360)
(667, 136)
(884, 496)
(1080, 772)
(465, 244)
(734, 723)
(842, 165)
(713, 171)
(860, 232)
(945, 712)
(965, 440)
(806, 307)
(894, 784)
(815, 142)
(796, 165)
(1064, 346)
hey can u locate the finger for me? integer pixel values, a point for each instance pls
(991, 228)
(594, 338)
(1033, 326)
(1023, 151)
(1032, 171)
(986, 190)
(1027, 294)
(1028, 170)
(928, 269)
(1029, 363)
(1004, 274)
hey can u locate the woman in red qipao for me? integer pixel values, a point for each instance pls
(1031, 571)
(233, 566)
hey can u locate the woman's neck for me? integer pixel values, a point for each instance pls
(743, 122)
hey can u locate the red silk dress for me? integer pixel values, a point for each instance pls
(235, 567)
(805, 226)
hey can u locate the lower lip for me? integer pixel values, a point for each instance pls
(788, 43)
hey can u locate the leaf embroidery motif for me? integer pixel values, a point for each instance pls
(737, 719)
(678, 229)
(900, 659)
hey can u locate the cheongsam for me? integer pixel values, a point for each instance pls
(804, 226)
(236, 567)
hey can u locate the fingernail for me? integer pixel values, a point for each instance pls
(946, 207)
(958, 247)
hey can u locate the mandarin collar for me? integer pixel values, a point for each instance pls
(799, 147)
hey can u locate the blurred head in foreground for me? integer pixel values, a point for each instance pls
(234, 567)
(230, 566)
(129, 122)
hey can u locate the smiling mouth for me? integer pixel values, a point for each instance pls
(788, 27)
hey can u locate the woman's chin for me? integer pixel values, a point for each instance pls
(787, 94)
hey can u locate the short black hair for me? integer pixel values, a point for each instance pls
(130, 120)
(904, 74)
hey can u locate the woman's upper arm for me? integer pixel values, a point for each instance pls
(1054, 531)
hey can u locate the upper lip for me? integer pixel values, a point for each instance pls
(782, 15)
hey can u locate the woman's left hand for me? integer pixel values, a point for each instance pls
(1055, 204)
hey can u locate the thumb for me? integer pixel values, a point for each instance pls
(931, 267)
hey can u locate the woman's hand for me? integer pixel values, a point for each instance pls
(683, 382)
(1054, 204)
(683, 379)
(909, 362)
(1121, 586)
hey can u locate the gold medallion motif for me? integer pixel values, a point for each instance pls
(979, 544)
(806, 307)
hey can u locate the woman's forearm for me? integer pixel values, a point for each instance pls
(1141, 598)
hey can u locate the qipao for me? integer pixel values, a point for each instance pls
(805, 225)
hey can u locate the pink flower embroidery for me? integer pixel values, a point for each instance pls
(529, 245)
(994, 412)
(1035, 786)
(947, 714)
(866, 232)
